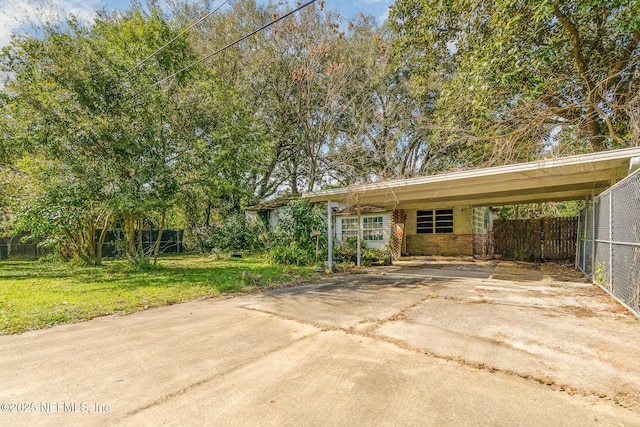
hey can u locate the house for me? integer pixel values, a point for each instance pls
(459, 230)
(451, 213)
(375, 225)
(270, 211)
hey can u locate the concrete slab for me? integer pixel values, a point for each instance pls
(339, 379)
(344, 302)
(571, 336)
(132, 361)
(385, 349)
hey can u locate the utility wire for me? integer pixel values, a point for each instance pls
(176, 37)
(228, 46)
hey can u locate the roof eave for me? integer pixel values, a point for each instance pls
(592, 161)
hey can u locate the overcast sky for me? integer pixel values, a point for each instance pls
(13, 12)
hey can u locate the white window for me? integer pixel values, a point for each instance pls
(372, 228)
(349, 228)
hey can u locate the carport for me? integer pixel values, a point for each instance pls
(580, 177)
(395, 345)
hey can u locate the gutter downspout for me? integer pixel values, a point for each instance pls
(634, 165)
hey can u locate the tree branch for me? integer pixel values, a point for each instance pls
(577, 43)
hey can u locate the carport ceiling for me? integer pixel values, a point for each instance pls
(568, 178)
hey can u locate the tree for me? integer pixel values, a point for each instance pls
(522, 78)
(50, 203)
(331, 106)
(89, 120)
(382, 135)
(299, 78)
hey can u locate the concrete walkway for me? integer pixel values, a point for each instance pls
(404, 345)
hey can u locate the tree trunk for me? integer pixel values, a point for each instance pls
(89, 241)
(130, 233)
(102, 238)
(311, 176)
(140, 252)
(593, 130)
(156, 248)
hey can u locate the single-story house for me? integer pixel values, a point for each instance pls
(270, 211)
(451, 213)
(430, 231)
(375, 225)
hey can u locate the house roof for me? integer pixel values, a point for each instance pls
(273, 203)
(353, 210)
(560, 179)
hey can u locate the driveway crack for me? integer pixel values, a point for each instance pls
(211, 378)
(624, 400)
(399, 315)
(323, 327)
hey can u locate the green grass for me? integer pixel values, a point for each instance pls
(35, 295)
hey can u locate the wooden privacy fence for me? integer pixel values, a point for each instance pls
(536, 239)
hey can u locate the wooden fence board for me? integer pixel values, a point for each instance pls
(536, 239)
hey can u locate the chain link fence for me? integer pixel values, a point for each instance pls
(19, 247)
(609, 241)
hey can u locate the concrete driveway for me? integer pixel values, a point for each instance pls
(435, 344)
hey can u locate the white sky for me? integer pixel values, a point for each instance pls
(16, 14)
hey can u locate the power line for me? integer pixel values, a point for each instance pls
(176, 37)
(228, 46)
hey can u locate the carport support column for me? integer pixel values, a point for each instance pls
(359, 249)
(329, 236)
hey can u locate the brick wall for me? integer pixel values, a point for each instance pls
(440, 244)
(460, 242)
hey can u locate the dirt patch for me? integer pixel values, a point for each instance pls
(519, 272)
(563, 272)
(578, 311)
(533, 272)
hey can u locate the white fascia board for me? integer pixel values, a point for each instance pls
(583, 159)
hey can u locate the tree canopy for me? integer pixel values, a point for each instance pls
(99, 129)
(100, 141)
(516, 78)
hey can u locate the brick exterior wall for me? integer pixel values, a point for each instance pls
(398, 221)
(440, 244)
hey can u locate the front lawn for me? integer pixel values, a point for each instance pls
(35, 295)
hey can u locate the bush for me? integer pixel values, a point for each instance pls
(289, 255)
(232, 234)
(348, 253)
(374, 256)
(294, 240)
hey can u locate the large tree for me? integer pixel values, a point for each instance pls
(304, 79)
(383, 133)
(514, 79)
(300, 76)
(92, 112)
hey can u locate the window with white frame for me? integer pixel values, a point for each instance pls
(372, 228)
(349, 228)
(435, 221)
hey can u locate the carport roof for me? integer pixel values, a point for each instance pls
(560, 179)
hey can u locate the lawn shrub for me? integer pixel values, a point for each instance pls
(291, 254)
(296, 239)
(347, 253)
(233, 234)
